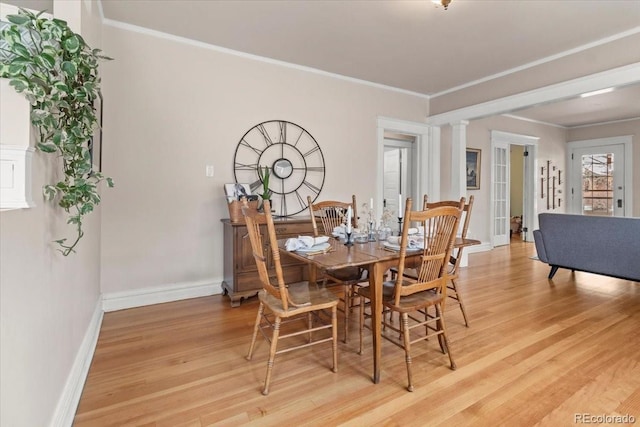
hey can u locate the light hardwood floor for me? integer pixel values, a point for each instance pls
(537, 352)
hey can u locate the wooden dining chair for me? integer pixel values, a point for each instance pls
(456, 252)
(412, 297)
(325, 216)
(299, 306)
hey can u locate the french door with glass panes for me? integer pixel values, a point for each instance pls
(500, 190)
(597, 181)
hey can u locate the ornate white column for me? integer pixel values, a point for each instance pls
(458, 159)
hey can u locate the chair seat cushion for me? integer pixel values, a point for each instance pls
(306, 297)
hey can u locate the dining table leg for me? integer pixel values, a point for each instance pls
(376, 276)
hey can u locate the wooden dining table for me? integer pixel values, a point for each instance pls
(377, 259)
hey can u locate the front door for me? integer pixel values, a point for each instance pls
(597, 181)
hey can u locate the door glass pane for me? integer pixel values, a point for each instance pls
(597, 184)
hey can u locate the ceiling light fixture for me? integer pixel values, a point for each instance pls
(597, 92)
(444, 3)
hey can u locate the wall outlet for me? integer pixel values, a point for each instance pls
(209, 171)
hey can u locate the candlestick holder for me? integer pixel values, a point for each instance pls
(399, 226)
(372, 232)
(348, 241)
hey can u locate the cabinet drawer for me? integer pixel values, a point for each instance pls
(251, 281)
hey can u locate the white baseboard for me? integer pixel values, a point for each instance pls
(113, 301)
(486, 246)
(70, 398)
(482, 247)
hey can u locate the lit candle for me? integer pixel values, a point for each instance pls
(349, 219)
(399, 205)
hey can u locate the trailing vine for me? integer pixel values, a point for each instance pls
(58, 74)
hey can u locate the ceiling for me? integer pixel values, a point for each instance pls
(414, 46)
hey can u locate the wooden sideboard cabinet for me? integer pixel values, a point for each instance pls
(240, 273)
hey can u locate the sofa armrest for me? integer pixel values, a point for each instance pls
(542, 253)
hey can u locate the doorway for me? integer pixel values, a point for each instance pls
(424, 173)
(398, 177)
(501, 186)
(600, 178)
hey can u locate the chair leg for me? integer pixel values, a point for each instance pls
(347, 309)
(407, 348)
(334, 329)
(272, 354)
(255, 331)
(458, 298)
(441, 340)
(443, 329)
(361, 323)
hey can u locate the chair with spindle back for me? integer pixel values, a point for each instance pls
(411, 297)
(325, 216)
(456, 253)
(286, 303)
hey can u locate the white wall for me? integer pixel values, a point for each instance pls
(171, 108)
(47, 301)
(551, 146)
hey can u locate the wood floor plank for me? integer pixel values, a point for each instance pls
(537, 352)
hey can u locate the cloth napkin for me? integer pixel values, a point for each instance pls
(415, 243)
(304, 242)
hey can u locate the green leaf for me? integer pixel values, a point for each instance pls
(48, 60)
(21, 50)
(61, 87)
(72, 44)
(47, 148)
(20, 84)
(69, 68)
(110, 182)
(18, 19)
(16, 69)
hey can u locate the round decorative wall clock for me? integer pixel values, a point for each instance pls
(293, 157)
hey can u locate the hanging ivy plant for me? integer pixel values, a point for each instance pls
(58, 74)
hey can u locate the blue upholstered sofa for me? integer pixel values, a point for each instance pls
(601, 245)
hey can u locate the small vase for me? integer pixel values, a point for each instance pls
(261, 204)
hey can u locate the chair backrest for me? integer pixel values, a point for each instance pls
(440, 226)
(254, 220)
(456, 254)
(466, 211)
(331, 213)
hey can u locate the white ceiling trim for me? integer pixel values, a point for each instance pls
(611, 78)
(540, 122)
(605, 123)
(560, 55)
(199, 44)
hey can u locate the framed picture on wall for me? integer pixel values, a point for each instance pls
(473, 169)
(95, 143)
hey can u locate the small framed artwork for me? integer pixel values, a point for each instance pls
(236, 191)
(473, 169)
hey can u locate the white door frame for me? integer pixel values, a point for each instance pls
(410, 180)
(530, 220)
(627, 142)
(427, 157)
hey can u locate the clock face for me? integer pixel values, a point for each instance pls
(293, 157)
